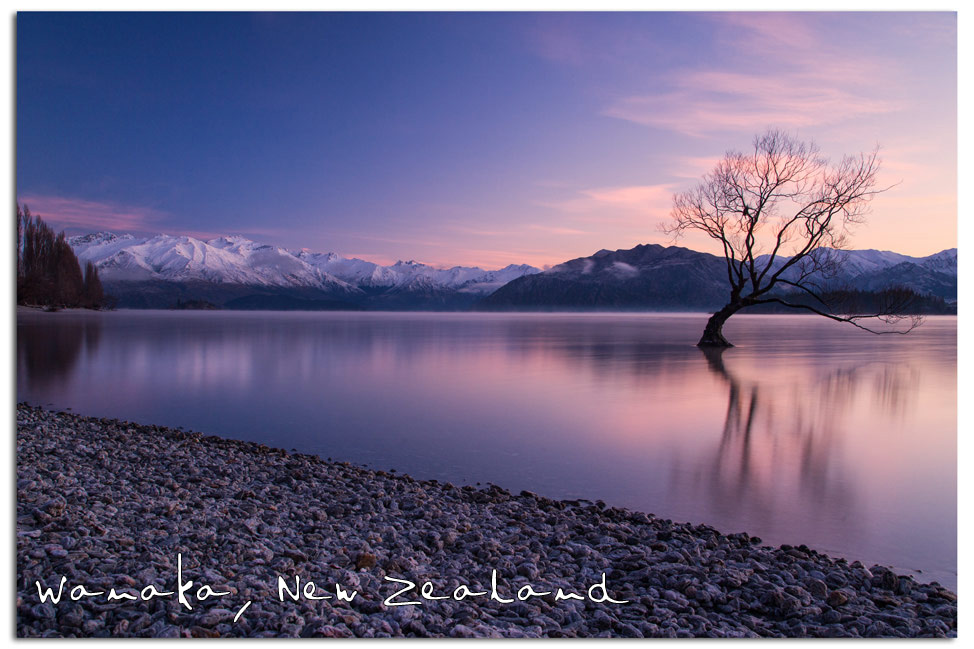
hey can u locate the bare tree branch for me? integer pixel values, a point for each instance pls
(915, 320)
(785, 198)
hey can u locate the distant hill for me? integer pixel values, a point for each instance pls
(645, 277)
(654, 277)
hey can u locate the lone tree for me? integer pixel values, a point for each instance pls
(780, 213)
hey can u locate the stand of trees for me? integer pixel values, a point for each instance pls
(48, 272)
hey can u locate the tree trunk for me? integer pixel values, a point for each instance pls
(712, 334)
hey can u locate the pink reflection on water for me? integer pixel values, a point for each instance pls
(806, 432)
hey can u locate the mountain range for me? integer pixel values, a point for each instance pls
(675, 278)
(233, 272)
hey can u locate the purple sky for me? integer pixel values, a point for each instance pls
(476, 139)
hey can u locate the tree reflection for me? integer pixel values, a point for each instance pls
(778, 446)
(47, 352)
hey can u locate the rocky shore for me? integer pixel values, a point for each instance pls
(144, 510)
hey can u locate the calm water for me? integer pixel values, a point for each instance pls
(806, 432)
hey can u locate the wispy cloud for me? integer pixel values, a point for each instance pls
(71, 212)
(795, 79)
(80, 214)
(515, 231)
(554, 229)
(708, 102)
(641, 200)
(693, 167)
(636, 196)
(476, 231)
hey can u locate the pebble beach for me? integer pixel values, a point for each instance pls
(107, 507)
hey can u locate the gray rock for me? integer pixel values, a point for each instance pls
(109, 504)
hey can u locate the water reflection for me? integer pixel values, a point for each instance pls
(778, 440)
(804, 433)
(47, 354)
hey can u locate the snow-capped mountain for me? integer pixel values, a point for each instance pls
(853, 263)
(648, 276)
(942, 262)
(403, 273)
(235, 272)
(673, 278)
(871, 270)
(225, 260)
(126, 260)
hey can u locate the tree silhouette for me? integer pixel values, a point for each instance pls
(48, 272)
(780, 214)
(94, 295)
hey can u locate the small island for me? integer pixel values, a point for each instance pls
(193, 305)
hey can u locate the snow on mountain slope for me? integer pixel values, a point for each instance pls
(354, 271)
(942, 262)
(225, 260)
(406, 274)
(492, 280)
(237, 260)
(853, 263)
(863, 261)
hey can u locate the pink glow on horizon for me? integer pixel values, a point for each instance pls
(588, 220)
(82, 215)
(639, 108)
(67, 212)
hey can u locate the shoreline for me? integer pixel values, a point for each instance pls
(23, 309)
(113, 504)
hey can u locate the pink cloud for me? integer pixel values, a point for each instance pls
(637, 195)
(476, 231)
(553, 229)
(801, 42)
(639, 199)
(693, 167)
(924, 163)
(69, 212)
(795, 77)
(706, 102)
(608, 217)
(769, 29)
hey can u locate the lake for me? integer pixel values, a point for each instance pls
(807, 432)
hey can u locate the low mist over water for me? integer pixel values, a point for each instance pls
(807, 432)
